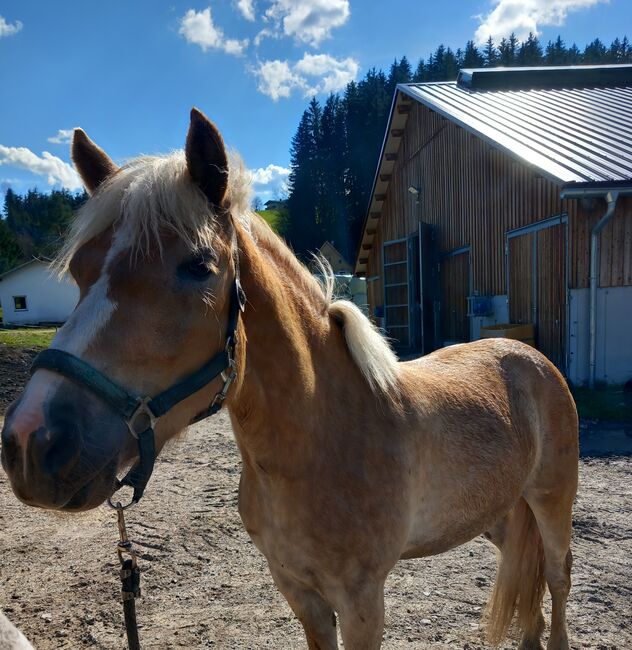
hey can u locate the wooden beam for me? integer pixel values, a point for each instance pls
(397, 133)
(363, 260)
(380, 197)
(367, 247)
(375, 215)
(361, 274)
(402, 109)
(385, 178)
(390, 157)
(371, 231)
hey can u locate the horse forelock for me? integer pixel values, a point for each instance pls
(154, 195)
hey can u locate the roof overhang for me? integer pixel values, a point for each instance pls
(23, 265)
(400, 110)
(595, 190)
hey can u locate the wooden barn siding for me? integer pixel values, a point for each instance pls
(475, 194)
(615, 268)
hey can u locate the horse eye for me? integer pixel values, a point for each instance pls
(198, 268)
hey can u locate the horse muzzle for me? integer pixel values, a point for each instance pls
(62, 454)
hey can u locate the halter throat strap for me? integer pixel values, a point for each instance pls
(140, 413)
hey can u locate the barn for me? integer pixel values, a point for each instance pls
(31, 294)
(503, 202)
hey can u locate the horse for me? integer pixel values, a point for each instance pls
(352, 460)
(10, 637)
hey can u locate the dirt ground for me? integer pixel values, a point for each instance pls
(206, 586)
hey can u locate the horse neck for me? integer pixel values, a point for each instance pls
(292, 345)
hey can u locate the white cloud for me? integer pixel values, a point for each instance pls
(64, 136)
(524, 16)
(270, 181)
(277, 80)
(8, 29)
(57, 171)
(308, 21)
(335, 73)
(198, 28)
(246, 9)
(313, 74)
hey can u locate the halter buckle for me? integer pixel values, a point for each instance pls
(229, 376)
(142, 418)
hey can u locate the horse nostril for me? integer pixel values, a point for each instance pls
(53, 449)
(10, 447)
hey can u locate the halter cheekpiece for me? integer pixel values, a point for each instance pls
(141, 413)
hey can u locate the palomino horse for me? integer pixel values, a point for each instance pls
(351, 460)
(10, 637)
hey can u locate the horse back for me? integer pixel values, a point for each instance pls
(490, 417)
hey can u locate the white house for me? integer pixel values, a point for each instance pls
(31, 294)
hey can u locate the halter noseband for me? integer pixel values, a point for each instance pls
(141, 413)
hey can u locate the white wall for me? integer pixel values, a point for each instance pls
(47, 298)
(614, 335)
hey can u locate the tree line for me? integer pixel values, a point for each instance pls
(34, 224)
(333, 152)
(335, 148)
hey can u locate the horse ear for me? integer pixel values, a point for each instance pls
(206, 157)
(92, 163)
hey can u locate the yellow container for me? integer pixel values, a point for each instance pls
(520, 332)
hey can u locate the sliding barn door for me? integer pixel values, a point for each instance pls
(455, 288)
(537, 284)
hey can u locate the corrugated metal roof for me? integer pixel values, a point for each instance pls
(571, 134)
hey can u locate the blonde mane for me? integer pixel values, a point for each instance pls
(154, 194)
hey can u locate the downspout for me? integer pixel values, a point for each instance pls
(611, 197)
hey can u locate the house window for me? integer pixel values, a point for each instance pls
(19, 302)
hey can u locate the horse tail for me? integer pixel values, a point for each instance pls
(520, 579)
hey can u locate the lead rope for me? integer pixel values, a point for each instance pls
(130, 580)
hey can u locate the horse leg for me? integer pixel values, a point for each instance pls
(316, 616)
(554, 519)
(361, 613)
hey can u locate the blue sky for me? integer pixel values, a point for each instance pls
(128, 71)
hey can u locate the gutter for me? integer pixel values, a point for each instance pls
(611, 195)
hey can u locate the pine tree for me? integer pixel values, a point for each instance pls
(400, 73)
(573, 55)
(530, 52)
(472, 58)
(421, 72)
(594, 52)
(490, 54)
(507, 51)
(304, 184)
(556, 53)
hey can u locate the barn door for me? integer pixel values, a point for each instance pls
(537, 283)
(396, 292)
(455, 288)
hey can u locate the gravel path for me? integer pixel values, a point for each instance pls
(206, 586)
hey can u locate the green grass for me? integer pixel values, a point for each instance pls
(603, 403)
(274, 218)
(27, 337)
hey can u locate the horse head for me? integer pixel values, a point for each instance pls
(152, 254)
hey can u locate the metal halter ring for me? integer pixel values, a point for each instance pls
(118, 505)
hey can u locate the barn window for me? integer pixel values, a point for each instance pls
(19, 302)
